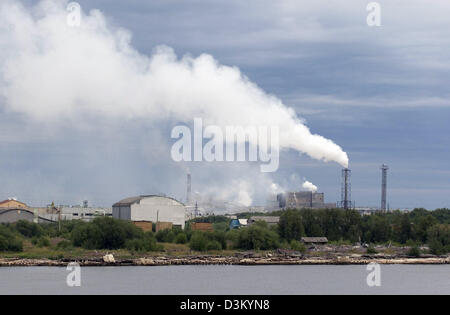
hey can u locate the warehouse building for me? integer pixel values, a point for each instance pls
(13, 215)
(151, 208)
(12, 210)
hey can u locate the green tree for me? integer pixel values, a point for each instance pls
(291, 225)
(181, 238)
(9, 241)
(420, 226)
(257, 236)
(213, 245)
(29, 229)
(198, 241)
(105, 233)
(439, 239)
(298, 246)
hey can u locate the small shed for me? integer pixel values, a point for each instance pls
(235, 224)
(144, 225)
(315, 240)
(163, 226)
(201, 226)
(270, 220)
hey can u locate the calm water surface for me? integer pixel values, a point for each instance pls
(395, 279)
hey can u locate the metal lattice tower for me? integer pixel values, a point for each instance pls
(196, 210)
(384, 169)
(346, 189)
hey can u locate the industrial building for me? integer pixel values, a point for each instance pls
(303, 199)
(67, 213)
(12, 211)
(151, 208)
(84, 213)
(14, 215)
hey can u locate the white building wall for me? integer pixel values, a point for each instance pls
(159, 208)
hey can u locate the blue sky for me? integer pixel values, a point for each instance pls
(381, 93)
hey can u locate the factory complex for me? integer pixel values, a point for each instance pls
(156, 212)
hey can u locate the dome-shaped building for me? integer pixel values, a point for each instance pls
(151, 208)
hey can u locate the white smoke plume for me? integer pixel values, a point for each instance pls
(309, 186)
(51, 71)
(240, 191)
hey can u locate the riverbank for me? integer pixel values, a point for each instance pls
(238, 259)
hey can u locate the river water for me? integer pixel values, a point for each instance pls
(192, 280)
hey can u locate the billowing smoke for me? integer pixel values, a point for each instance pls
(51, 71)
(309, 186)
(240, 192)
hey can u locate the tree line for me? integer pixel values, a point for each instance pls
(419, 226)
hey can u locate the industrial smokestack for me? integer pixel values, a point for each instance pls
(384, 169)
(188, 193)
(346, 190)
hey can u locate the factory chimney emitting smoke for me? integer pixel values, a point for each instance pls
(346, 190)
(188, 193)
(384, 169)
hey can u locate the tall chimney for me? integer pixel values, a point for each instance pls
(188, 193)
(346, 190)
(384, 169)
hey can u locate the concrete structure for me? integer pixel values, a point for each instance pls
(303, 199)
(151, 208)
(268, 219)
